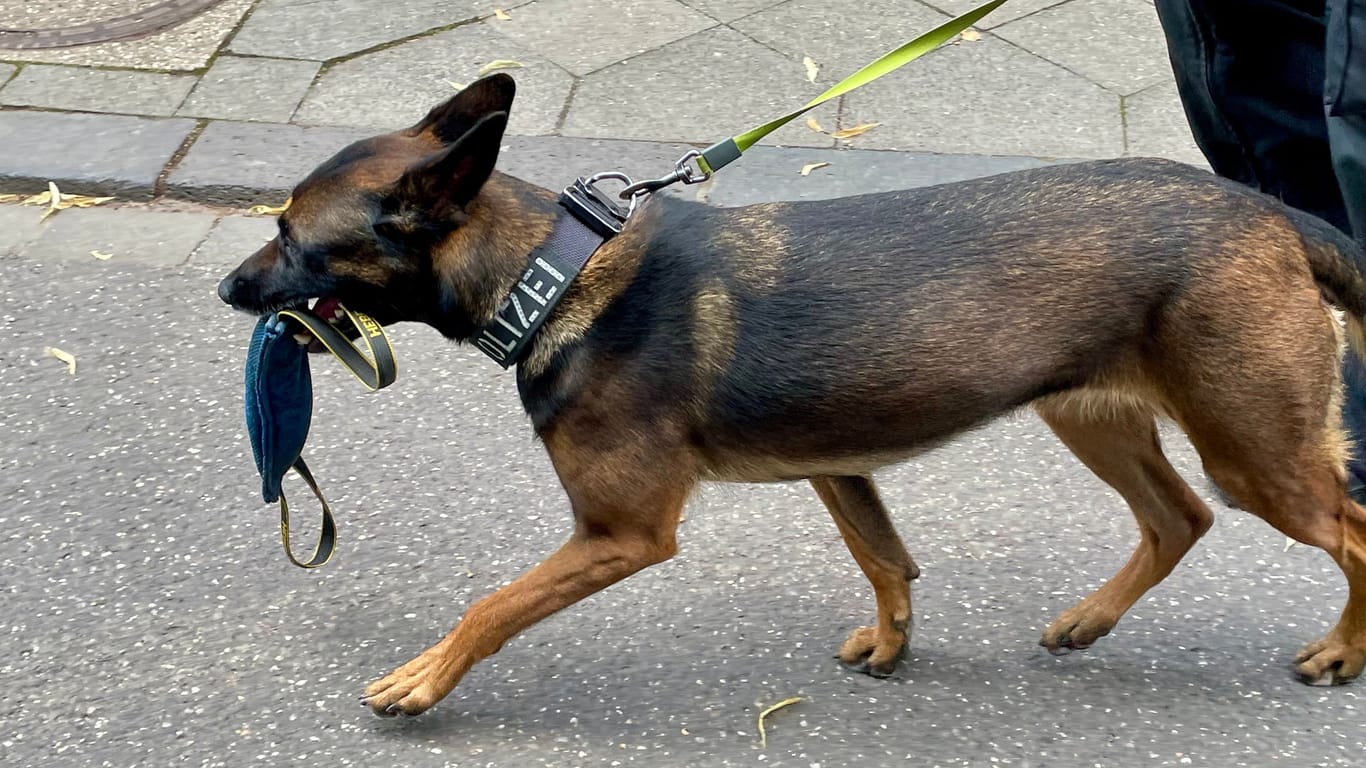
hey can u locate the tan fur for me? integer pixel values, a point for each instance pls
(759, 246)
(714, 329)
(502, 240)
(743, 467)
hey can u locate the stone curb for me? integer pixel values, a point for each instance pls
(242, 164)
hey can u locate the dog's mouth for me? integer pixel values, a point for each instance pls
(327, 308)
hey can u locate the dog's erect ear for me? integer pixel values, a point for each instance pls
(451, 178)
(454, 117)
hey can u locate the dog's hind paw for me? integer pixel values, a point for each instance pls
(1330, 661)
(863, 652)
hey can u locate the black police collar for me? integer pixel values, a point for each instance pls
(588, 217)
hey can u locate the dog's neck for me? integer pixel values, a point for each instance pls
(480, 261)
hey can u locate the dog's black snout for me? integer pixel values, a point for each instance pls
(225, 288)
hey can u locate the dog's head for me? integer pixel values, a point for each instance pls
(362, 227)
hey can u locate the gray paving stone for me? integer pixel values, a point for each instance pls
(839, 41)
(248, 88)
(729, 10)
(990, 98)
(186, 46)
(162, 238)
(251, 163)
(1008, 12)
(232, 239)
(20, 226)
(300, 29)
(1155, 125)
(97, 90)
(583, 37)
(6, 72)
(395, 87)
(714, 84)
(89, 154)
(1115, 43)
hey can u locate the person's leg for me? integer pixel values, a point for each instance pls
(1344, 100)
(1191, 49)
(1250, 74)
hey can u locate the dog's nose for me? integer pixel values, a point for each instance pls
(225, 288)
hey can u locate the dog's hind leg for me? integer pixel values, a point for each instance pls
(627, 497)
(1296, 483)
(873, 541)
(1118, 441)
(1258, 393)
(1285, 465)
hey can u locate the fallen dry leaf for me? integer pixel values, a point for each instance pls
(763, 738)
(858, 130)
(811, 68)
(266, 210)
(501, 14)
(82, 201)
(64, 356)
(809, 167)
(499, 64)
(971, 35)
(813, 125)
(55, 200)
(456, 86)
(102, 256)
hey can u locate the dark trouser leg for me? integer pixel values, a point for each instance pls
(1347, 133)
(1250, 74)
(1344, 99)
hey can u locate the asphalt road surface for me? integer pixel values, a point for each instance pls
(148, 616)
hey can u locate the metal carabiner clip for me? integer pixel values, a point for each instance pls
(688, 174)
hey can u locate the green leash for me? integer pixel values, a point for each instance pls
(722, 153)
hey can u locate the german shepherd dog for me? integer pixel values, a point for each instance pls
(822, 340)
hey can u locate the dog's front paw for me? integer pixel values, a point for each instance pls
(865, 651)
(416, 686)
(1076, 629)
(1330, 661)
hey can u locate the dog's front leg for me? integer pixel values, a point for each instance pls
(624, 521)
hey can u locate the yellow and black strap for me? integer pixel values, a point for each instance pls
(327, 537)
(377, 371)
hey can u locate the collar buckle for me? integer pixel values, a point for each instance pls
(595, 208)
